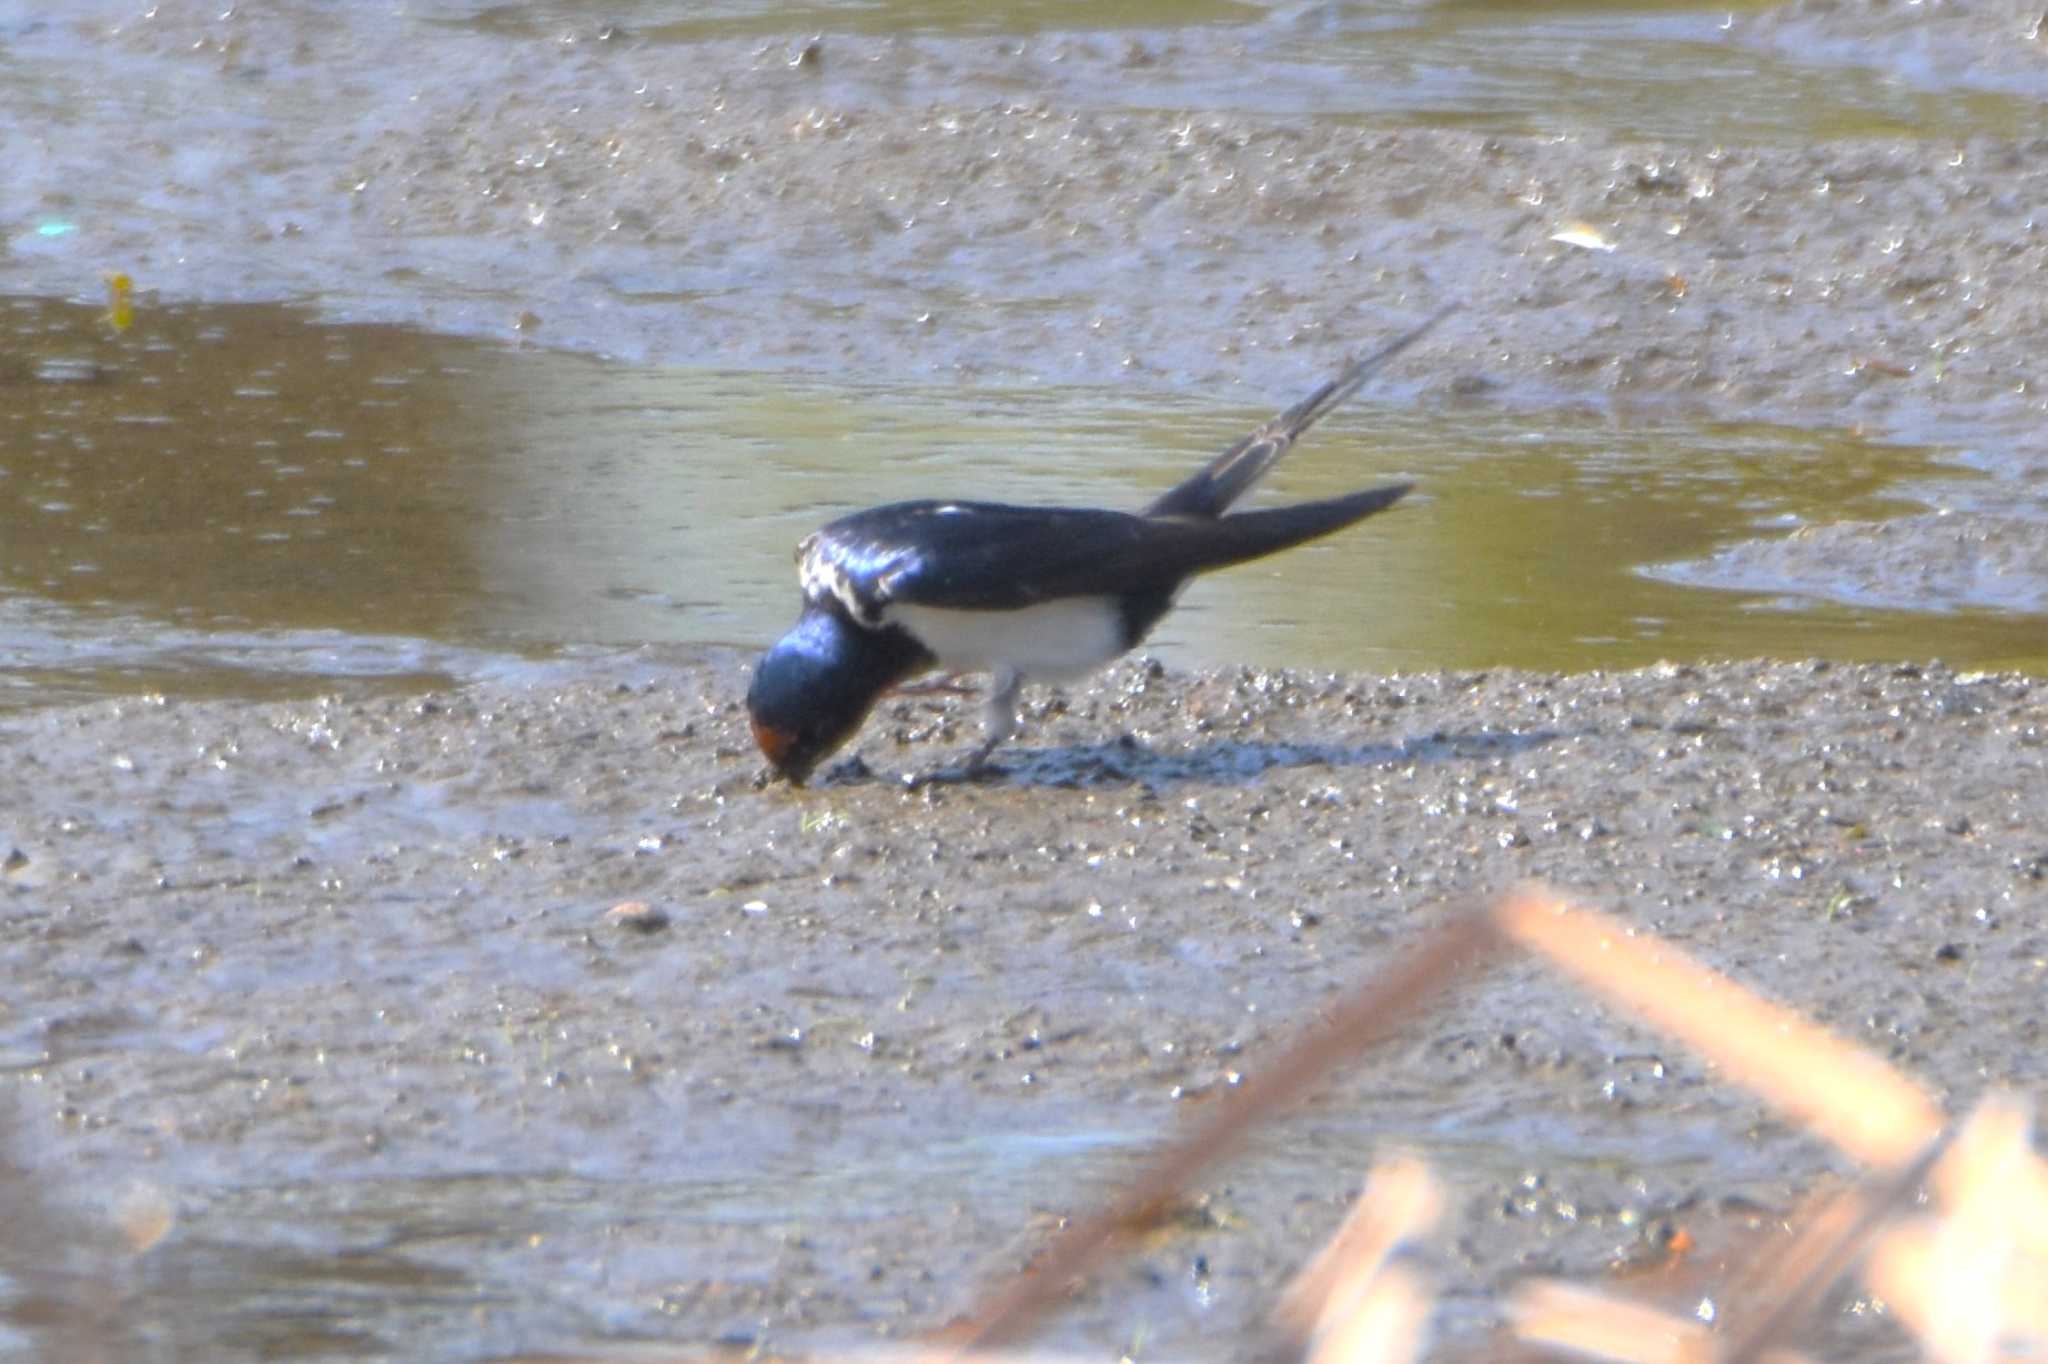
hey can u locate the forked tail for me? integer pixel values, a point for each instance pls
(1211, 490)
(1243, 536)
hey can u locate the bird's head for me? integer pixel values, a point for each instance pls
(812, 690)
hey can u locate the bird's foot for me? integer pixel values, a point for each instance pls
(851, 769)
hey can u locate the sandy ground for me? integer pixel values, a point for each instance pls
(335, 981)
(345, 967)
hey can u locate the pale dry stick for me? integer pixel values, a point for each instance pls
(1971, 1282)
(1566, 1316)
(1355, 1024)
(1992, 1172)
(1993, 1160)
(1909, 1269)
(1823, 1251)
(1842, 1092)
(1387, 1323)
(1848, 1096)
(1401, 1201)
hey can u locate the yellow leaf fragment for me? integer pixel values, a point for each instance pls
(120, 301)
(1401, 1201)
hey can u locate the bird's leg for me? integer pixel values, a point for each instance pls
(1001, 721)
(1000, 724)
(949, 684)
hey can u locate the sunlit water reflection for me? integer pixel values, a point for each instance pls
(235, 500)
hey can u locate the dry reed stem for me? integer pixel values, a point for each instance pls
(1974, 1280)
(1992, 1171)
(1387, 1322)
(1355, 1024)
(1401, 1201)
(1784, 1287)
(1843, 1093)
(1953, 1317)
(1565, 1316)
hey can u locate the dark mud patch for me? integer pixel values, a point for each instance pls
(337, 979)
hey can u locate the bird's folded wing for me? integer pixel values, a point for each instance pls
(986, 556)
(973, 555)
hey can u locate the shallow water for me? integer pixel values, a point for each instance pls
(236, 500)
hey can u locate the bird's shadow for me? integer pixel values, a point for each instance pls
(1127, 762)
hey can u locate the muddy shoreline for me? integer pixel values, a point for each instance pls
(354, 955)
(1120, 208)
(978, 206)
(333, 980)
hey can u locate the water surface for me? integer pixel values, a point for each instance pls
(238, 500)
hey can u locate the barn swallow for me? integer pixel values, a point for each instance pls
(1024, 593)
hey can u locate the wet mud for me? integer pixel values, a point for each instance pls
(342, 972)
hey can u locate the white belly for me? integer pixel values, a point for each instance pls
(1052, 642)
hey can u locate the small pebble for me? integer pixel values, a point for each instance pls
(638, 915)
